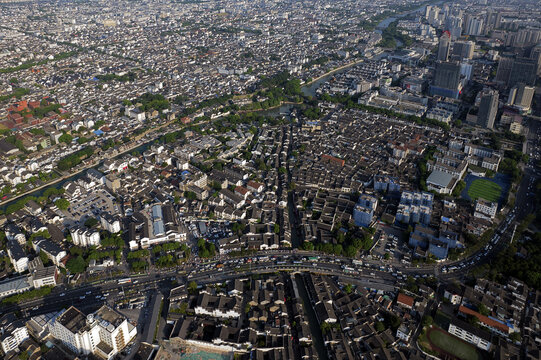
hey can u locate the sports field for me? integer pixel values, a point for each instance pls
(486, 189)
(452, 345)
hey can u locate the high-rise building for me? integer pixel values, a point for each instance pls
(454, 25)
(474, 27)
(488, 109)
(444, 46)
(535, 54)
(523, 37)
(524, 70)
(521, 96)
(504, 69)
(463, 50)
(446, 80)
(363, 212)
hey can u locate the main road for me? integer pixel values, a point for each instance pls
(374, 274)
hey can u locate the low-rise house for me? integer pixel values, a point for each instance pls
(51, 249)
(405, 301)
(18, 258)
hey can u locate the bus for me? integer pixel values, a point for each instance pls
(124, 281)
(313, 258)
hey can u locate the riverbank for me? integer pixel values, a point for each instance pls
(82, 169)
(307, 84)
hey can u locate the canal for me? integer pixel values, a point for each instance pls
(317, 336)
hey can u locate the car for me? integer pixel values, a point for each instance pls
(82, 297)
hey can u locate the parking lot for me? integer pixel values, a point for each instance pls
(92, 202)
(393, 242)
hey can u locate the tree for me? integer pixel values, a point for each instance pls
(350, 251)
(387, 256)
(76, 265)
(91, 222)
(62, 204)
(325, 327)
(192, 287)
(427, 320)
(348, 288)
(65, 138)
(483, 310)
(276, 229)
(514, 336)
(308, 246)
(44, 258)
(380, 326)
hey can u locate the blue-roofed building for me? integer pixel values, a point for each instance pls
(157, 213)
(158, 228)
(98, 132)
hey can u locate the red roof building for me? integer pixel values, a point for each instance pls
(492, 324)
(332, 159)
(405, 301)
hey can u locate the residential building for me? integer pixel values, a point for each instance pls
(488, 109)
(363, 212)
(521, 96)
(82, 236)
(453, 294)
(444, 46)
(104, 332)
(463, 50)
(18, 258)
(446, 80)
(218, 306)
(12, 332)
(523, 70)
(51, 249)
(415, 207)
(110, 222)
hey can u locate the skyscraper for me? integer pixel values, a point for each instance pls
(446, 80)
(488, 109)
(521, 96)
(444, 46)
(474, 27)
(504, 69)
(524, 70)
(463, 49)
(535, 54)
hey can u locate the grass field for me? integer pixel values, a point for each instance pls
(486, 189)
(453, 345)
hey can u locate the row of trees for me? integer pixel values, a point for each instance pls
(74, 159)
